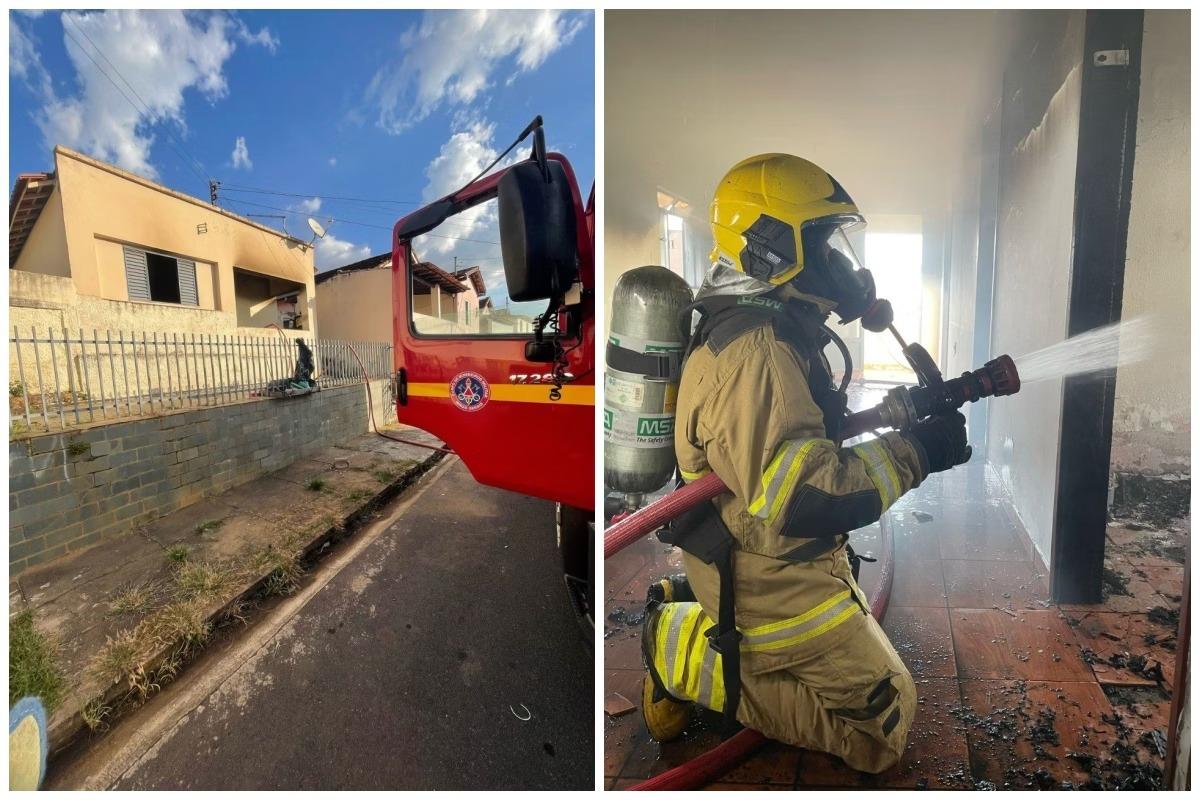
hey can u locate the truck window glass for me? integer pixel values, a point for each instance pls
(458, 286)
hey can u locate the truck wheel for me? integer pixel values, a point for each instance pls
(576, 531)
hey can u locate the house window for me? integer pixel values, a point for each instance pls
(680, 253)
(160, 278)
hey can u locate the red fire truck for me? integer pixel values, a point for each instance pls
(508, 384)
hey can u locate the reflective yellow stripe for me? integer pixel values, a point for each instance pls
(816, 611)
(812, 623)
(782, 454)
(692, 476)
(679, 649)
(776, 489)
(880, 470)
(698, 644)
(812, 633)
(514, 393)
(717, 697)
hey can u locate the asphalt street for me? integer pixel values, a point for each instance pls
(413, 667)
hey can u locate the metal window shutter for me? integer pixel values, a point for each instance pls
(137, 279)
(187, 283)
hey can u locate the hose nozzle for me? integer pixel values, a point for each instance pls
(1001, 374)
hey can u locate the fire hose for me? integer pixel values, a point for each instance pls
(371, 413)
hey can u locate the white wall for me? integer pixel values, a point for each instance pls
(1151, 425)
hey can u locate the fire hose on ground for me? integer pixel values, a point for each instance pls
(709, 766)
(371, 413)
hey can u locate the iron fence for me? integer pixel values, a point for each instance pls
(59, 379)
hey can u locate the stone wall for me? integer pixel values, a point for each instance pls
(69, 491)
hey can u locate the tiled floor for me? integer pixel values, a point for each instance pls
(1012, 690)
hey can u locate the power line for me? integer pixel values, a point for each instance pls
(368, 224)
(360, 208)
(181, 151)
(237, 188)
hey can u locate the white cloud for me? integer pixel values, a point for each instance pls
(461, 158)
(264, 37)
(333, 252)
(23, 60)
(162, 54)
(241, 155)
(450, 58)
(333, 161)
(310, 206)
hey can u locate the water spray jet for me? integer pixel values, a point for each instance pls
(1112, 346)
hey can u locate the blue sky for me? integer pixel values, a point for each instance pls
(379, 105)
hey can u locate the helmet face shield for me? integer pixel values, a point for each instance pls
(832, 268)
(839, 242)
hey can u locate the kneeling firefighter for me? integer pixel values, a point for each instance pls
(769, 625)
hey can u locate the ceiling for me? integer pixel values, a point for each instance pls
(889, 102)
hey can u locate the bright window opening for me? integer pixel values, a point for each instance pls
(895, 261)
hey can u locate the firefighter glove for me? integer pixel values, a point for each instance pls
(943, 439)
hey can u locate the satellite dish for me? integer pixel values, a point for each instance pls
(317, 229)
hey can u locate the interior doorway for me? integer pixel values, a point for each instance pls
(895, 261)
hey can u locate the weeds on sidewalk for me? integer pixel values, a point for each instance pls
(204, 581)
(33, 664)
(118, 659)
(177, 629)
(282, 567)
(94, 713)
(209, 526)
(315, 485)
(178, 554)
(136, 599)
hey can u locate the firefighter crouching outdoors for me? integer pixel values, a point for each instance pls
(769, 625)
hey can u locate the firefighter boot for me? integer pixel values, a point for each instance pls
(681, 667)
(671, 589)
(665, 716)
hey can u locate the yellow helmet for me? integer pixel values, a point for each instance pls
(762, 207)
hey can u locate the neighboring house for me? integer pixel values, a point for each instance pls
(94, 247)
(356, 300)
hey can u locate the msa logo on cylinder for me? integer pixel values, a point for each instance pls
(655, 426)
(638, 430)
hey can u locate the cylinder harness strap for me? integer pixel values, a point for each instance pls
(664, 364)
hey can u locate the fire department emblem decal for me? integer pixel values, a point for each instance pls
(469, 391)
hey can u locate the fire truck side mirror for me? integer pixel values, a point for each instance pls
(537, 231)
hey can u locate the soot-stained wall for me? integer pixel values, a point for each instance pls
(1035, 219)
(1151, 425)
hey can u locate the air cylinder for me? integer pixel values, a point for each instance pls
(641, 379)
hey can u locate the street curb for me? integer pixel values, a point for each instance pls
(66, 726)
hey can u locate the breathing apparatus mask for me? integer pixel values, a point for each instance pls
(833, 271)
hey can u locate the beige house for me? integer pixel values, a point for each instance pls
(94, 247)
(356, 300)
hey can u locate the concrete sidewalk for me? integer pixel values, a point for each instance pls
(435, 649)
(128, 614)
